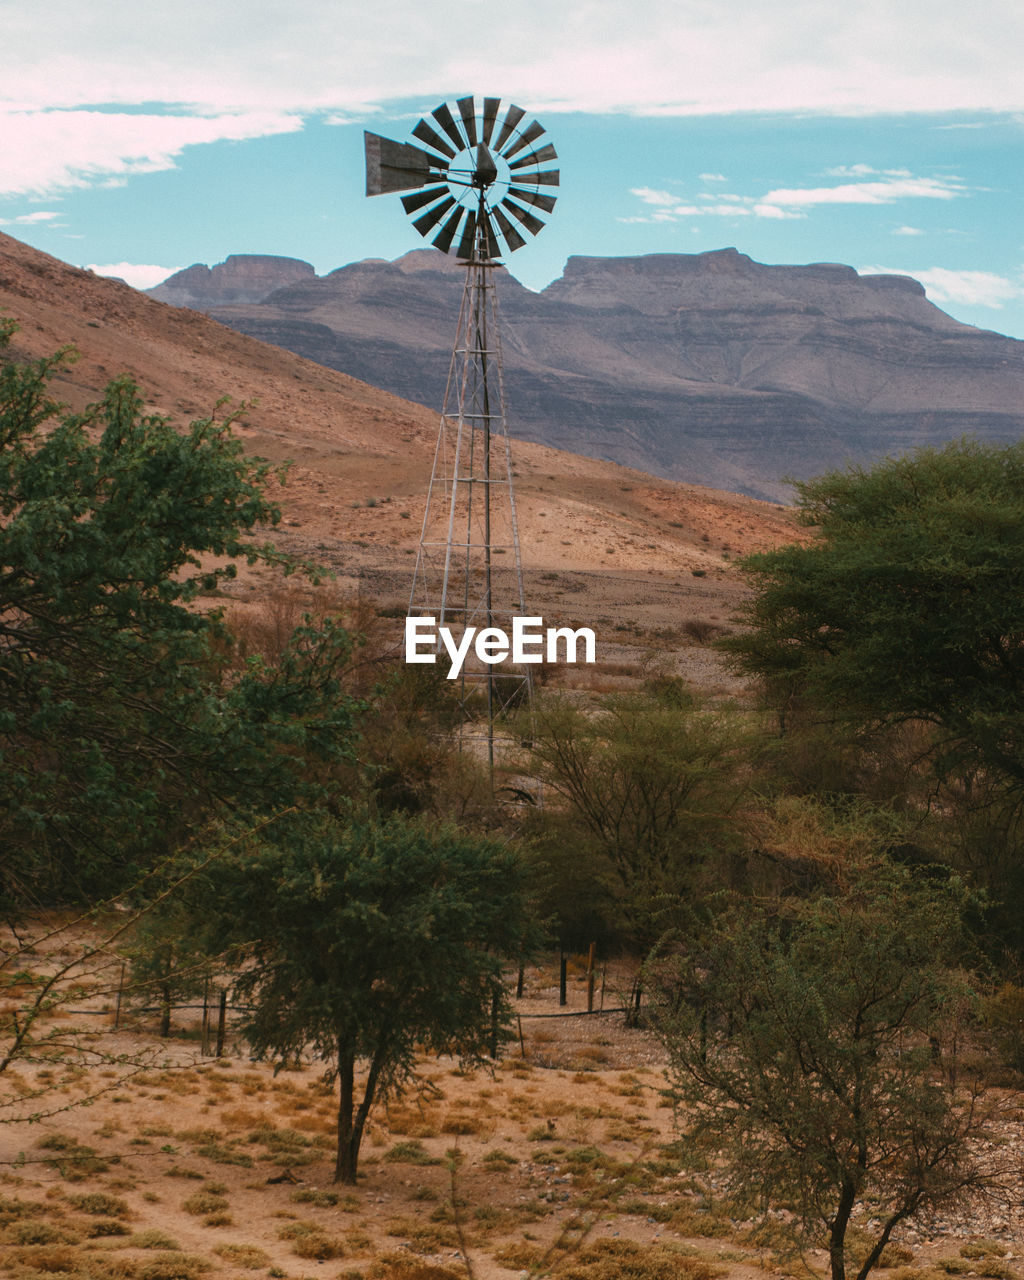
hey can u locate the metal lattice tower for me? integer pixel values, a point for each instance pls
(480, 167)
(469, 569)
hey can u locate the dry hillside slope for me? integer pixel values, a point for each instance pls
(600, 542)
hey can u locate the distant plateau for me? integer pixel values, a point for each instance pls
(707, 368)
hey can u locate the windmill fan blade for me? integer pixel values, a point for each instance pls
(512, 118)
(446, 120)
(425, 134)
(427, 221)
(512, 237)
(411, 203)
(467, 109)
(398, 166)
(549, 178)
(443, 239)
(547, 203)
(532, 224)
(491, 106)
(536, 157)
(529, 134)
(465, 249)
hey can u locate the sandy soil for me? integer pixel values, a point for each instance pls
(556, 1156)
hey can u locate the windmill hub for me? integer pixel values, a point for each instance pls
(486, 173)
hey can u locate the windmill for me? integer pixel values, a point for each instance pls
(480, 180)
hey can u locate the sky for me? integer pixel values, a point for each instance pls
(139, 139)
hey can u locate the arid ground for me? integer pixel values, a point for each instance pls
(558, 1159)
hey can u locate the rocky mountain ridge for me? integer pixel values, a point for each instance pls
(598, 541)
(708, 368)
(242, 277)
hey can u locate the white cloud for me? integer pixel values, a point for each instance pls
(865, 171)
(793, 202)
(49, 151)
(713, 177)
(773, 211)
(968, 288)
(907, 231)
(650, 195)
(30, 219)
(229, 69)
(139, 275)
(593, 55)
(884, 191)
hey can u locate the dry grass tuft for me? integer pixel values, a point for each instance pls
(308, 1240)
(173, 1266)
(424, 1237)
(99, 1204)
(204, 1202)
(411, 1151)
(614, 1259)
(399, 1266)
(247, 1256)
(152, 1238)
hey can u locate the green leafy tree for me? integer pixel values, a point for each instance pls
(368, 942)
(908, 607)
(121, 724)
(645, 786)
(802, 1037)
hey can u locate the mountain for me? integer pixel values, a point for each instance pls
(243, 277)
(706, 367)
(639, 557)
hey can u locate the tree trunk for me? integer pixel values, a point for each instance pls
(904, 1211)
(352, 1119)
(837, 1232)
(348, 1139)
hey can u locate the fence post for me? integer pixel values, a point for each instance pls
(590, 978)
(120, 991)
(205, 1050)
(222, 1016)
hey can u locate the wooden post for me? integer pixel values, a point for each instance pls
(520, 978)
(590, 978)
(120, 991)
(563, 967)
(522, 1042)
(222, 1017)
(492, 1047)
(205, 1050)
(165, 1010)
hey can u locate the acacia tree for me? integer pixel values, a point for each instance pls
(368, 942)
(120, 723)
(646, 784)
(801, 1039)
(908, 607)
